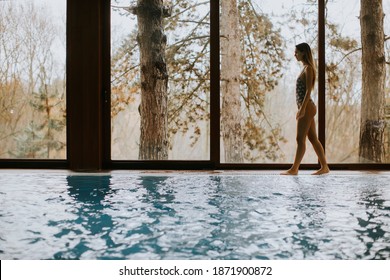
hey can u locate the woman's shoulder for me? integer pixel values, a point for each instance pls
(309, 70)
(308, 67)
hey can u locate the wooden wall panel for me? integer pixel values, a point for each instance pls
(84, 84)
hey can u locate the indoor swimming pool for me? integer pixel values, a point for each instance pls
(200, 215)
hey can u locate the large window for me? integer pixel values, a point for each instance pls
(160, 83)
(32, 79)
(357, 125)
(258, 75)
(112, 84)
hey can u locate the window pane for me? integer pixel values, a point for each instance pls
(346, 106)
(32, 79)
(258, 75)
(160, 87)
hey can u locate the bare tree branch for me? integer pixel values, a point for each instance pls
(348, 54)
(356, 50)
(135, 9)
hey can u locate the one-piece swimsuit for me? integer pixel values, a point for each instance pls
(300, 91)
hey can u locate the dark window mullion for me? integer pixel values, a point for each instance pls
(321, 72)
(214, 84)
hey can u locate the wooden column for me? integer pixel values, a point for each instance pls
(85, 94)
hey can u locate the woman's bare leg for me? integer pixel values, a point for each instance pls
(312, 135)
(303, 126)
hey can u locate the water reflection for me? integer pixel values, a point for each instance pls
(89, 190)
(218, 243)
(373, 231)
(157, 199)
(158, 195)
(311, 213)
(91, 223)
(181, 218)
(197, 217)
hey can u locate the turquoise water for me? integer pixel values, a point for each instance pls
(194, 216)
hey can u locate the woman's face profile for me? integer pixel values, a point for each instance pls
(298, 54)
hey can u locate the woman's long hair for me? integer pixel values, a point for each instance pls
(307, 57)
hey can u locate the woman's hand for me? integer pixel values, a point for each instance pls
(300, 113)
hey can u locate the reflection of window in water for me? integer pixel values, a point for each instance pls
(90, 190)
(158, 194)
(91, 223)
(310, 209)
(373, 232)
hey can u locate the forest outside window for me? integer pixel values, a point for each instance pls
(32, 79)
(357, 90)
(258, 74)
(160, 80)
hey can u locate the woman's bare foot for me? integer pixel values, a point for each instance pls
(323, 170)
(290, 172)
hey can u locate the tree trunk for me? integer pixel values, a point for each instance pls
(372, 126)
(154, 81)
(231, 116)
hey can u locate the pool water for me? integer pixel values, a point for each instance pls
(194, 216)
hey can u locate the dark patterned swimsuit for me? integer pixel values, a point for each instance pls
(300, 91)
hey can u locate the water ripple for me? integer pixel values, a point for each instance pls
(55, 216)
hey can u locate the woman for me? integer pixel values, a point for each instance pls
(306, 112)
